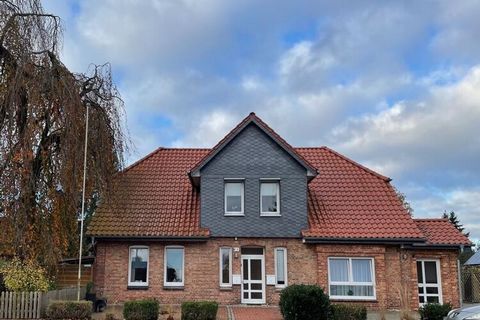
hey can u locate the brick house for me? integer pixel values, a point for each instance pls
(239, 222)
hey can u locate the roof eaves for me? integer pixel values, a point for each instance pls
(154, 238)
(363, 240)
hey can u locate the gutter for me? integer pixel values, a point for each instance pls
(313, 240)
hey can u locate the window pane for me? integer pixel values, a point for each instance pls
(245, 269)
(432, 290)
(256, 295)
(138, 265)
(174, 264)
(419, 272)
(248, 250)
(430, 272)
(280, 266)
(269, 193)
(352, 291)
(233, 196)
(256, 286)
(256, 272)
(339, 270)
(362, 270)
(433, 299)
(225, 265)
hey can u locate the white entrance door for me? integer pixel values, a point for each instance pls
(253, 279)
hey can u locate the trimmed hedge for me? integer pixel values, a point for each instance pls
(348, 312)
(141, 310)
(75, 310)
(304, 302)
(199, 310)
(434, 311)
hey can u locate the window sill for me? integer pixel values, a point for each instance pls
(234, 214)
(226, 288)
(173, 287)
(130, 287)
(350, 299)
(270, 215)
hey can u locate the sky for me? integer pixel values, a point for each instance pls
(394, 85)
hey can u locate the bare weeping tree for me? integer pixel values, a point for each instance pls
(42, 126)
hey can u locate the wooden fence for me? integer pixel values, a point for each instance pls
(20, 305)
(31, 305)
(67, 275)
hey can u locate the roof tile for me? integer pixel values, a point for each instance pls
(441, 232)
(155, 198)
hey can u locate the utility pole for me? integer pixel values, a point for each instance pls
(83, 207)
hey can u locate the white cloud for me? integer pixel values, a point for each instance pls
(211, 129)
(392, 85)
(436, 131)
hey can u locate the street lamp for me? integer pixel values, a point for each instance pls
(82, 217)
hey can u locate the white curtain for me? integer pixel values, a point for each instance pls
(339, 270)
(362, 270)
(280, 266)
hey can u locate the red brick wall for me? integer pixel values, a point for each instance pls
(395, 271)
(201, 270)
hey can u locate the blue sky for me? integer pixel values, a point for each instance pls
(394, 85)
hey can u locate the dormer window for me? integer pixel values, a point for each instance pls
(234, 197)
(270, 198)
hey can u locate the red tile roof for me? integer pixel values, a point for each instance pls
(441, 232)
(349, 201)
(155, 198)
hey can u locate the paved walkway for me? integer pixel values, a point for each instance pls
(253, 313)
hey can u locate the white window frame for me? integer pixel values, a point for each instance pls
(424, 285)
(275, 181)
(173, 284)
(137, 284)
(351, 282)
(284, 267)
(229, 284)
(234, 180)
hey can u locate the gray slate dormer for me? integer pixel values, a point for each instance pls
(250, 155)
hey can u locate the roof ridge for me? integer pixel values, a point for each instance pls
(319, 147)
(378, 175)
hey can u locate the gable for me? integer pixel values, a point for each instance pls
(251, 119)
(251, 157)
(252, 152)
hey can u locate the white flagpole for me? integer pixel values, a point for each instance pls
(83, 208)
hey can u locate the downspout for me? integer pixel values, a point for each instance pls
(460, 285)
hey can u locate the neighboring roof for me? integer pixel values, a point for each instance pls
(349, 201)
(441, 232)
(252, 119)
(153, 198)
(85, 260)
(474, 260)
